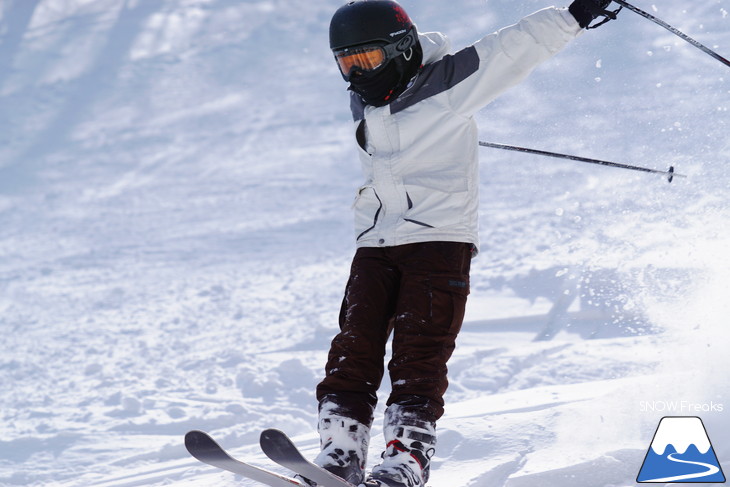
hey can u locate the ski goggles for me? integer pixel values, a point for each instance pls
(360, 59)
(374, 56)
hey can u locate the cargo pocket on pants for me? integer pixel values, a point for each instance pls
(448, 301)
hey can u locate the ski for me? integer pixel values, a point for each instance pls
(279, 448)
(204, 448)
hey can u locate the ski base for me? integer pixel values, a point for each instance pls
(204, 448)
(279, 448)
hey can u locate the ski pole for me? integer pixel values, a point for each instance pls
(670, 173)
(674, 31)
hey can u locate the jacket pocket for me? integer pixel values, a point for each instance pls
(437, 201)
(367, 207)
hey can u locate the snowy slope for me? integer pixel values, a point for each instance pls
(175, 178)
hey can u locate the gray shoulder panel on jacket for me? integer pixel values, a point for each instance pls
(433, 79)
(438, 77)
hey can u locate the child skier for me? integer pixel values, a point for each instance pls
(413, 106)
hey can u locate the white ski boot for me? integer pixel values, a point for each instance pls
(410, 444)
(344, 444)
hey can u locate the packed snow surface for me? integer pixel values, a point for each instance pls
(175, 236)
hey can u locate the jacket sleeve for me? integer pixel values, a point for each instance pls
(506, 57)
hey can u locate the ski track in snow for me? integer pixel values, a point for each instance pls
(175, 178)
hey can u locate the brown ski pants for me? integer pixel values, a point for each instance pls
(419, 292)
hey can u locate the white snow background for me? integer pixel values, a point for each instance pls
(175, 237)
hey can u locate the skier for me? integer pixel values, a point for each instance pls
(413, 106)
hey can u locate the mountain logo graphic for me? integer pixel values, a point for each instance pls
(681, 452)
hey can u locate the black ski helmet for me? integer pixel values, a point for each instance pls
(376, 47)
(361, 22)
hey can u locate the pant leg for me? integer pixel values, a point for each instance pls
(428, 317)
(355, 364)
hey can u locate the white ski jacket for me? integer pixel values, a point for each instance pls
(419, 153)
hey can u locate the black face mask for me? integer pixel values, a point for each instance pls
(377, 88)
(385, 85)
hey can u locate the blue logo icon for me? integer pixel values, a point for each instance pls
(681, 452)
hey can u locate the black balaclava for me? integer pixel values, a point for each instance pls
(386, 84)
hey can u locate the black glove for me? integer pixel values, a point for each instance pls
(585, 11)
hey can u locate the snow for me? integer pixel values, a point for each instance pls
(175, 179)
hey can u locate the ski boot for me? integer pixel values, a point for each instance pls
(410, 444)
(344, 444)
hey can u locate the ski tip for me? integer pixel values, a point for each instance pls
(193, 435)
(196, 440)
(192, 438)
(272, 434)
(275, 443)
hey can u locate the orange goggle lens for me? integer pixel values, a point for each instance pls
(365, 59)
